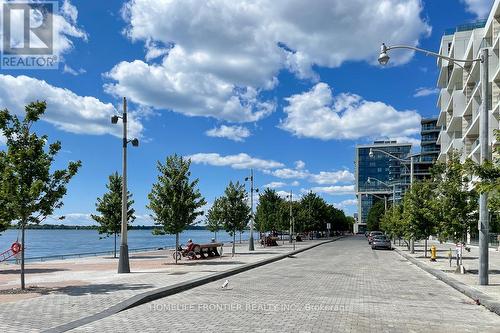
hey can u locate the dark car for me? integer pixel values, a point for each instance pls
(381, 242)
(373, 234)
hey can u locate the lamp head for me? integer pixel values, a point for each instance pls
(369, 180)
(246, 179)
(114, 119)
(383, 58)
(135, 142)
(370, 153)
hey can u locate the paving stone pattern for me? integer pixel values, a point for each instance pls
(338, 287)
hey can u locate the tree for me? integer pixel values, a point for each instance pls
(392, 222)
(110, 208)
(174, 199)
(29, 191)
(214, 217)
(419, 211)
(374, 215)
(235, 212)
(267, 216)
(457, 205)
(312, 213)
(488, 181)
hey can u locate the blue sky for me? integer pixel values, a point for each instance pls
(287, 88)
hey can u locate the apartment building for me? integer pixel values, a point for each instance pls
(384, 173)
(429, 151)
(460, 95)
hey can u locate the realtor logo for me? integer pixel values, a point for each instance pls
(28, 35)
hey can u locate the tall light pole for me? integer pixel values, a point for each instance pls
(290, 196)
(388, 185)
(123, 261)
(485, 152)
(251, 246)
(412, 241)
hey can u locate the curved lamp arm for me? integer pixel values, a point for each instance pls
(387, 48)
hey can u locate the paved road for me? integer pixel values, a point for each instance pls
(342, 287)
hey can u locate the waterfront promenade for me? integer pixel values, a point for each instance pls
(340, 286)
(67, 290)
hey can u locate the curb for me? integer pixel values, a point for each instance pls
(155, 294)
(485, 300)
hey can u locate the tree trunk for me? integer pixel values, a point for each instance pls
(215, 235)
(176, 246)
(240, 236)
(115, 247)
(23, 286)
(234, 243)
(425, 245)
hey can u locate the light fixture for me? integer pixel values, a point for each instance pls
(383, 58)
(135, 142)
(114, 119)
(370, 153)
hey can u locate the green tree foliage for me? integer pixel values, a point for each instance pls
(268, 215)
(374, 215)
(456, 205)
(30, 190)
(214, 217)
(235, 212)
(489, 182)
(312, 214)
(420, 211)
(392, 222)
(109, 208)
(175, 200)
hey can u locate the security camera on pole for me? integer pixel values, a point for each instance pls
(123, 261)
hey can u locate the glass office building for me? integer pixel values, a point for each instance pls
(385, 173)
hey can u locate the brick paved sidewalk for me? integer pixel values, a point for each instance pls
(72, 289)
(470, 262)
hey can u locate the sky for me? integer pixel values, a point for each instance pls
(288, 88)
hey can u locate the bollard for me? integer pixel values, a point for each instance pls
(450, 256)
(433, 253)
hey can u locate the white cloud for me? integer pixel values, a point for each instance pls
(318, 114)
(325, 177)
(480, 8)
(345, 203)
(239, 161)
(287, 173)
(281, 184)
(422, 92)
(235, 133)
(65, 109)
(275, 185)
(67, 69)
(300, 165)
(332, 190)
(218, 56)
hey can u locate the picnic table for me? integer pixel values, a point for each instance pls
(269, 241)
(208, 250)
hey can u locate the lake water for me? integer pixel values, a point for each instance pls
(44, 243)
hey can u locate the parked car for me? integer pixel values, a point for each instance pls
(381, 242)
(372, 234)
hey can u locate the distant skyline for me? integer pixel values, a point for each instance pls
(287, 88)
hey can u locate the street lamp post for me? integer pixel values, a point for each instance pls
(412, 242)
(290, 196)
(251, 246)
(388, 185)
(485, 152)
(123, 261)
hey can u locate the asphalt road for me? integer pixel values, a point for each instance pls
(342, 286)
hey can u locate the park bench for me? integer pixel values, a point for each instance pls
(208, 250)
(269, 241)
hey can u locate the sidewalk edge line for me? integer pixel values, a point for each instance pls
(162, 292)
(485, 300)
